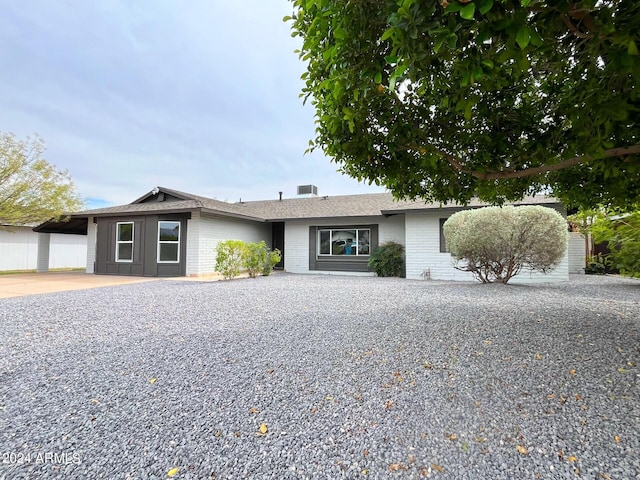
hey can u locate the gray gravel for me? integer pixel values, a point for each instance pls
(353, 377)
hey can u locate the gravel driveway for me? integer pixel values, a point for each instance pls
(348, 377)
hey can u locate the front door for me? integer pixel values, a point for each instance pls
(277, 241)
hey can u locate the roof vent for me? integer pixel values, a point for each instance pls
(307, 191)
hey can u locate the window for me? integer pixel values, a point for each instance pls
(443, 240)
(124, 242)
(348, 241)
(168, 242)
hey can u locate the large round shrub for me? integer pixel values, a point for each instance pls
(497, 243)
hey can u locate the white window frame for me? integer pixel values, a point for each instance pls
(118, 242)
(331, 230)
(172, 242)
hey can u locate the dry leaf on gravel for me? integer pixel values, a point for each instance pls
(173, 472)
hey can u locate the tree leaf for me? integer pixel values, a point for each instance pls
(523, 36)
(632, 48)
(522, 450)
(468, 11)
(263, 429)
(173, 472)
(485, 6)
(387, 34)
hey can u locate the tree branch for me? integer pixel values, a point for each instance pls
(573, 28)
(529, 172)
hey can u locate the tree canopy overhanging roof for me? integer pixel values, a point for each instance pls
(447, 100)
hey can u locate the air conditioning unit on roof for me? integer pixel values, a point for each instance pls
(307, 191)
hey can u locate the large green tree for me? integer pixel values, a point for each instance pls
(447, 100)
(31, 189)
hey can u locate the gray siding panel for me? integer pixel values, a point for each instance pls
(145, 247)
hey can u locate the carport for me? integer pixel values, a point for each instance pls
(68, 225)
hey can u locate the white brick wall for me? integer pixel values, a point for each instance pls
(204, 232)
(296, 246)
(296, 238)
(422, 232)
(391, 229)
(193, 244)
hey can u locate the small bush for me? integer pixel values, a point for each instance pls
(497, 243)
(272, 259)
(388, 260)
(234, 256)
(230, 258)
(255, 258)
(596, 266)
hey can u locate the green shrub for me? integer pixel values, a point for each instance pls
(621, 231)
(255, 258)
(273, 258)
(230, 258)
(596, 266)
(497, 243)
(388, 260)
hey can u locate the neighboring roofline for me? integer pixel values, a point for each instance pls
(12, 225)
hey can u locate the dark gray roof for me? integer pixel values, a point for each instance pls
(363, 205)
(188, 203)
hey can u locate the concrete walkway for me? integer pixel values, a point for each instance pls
(21, 284)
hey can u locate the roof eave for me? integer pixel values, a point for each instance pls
(135, 213)
(324, 217)
(221, 213)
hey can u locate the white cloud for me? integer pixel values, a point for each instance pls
(200, 96)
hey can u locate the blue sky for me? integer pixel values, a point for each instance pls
(200, 96)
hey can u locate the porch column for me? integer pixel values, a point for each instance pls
(92, 237)
(44, 244)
